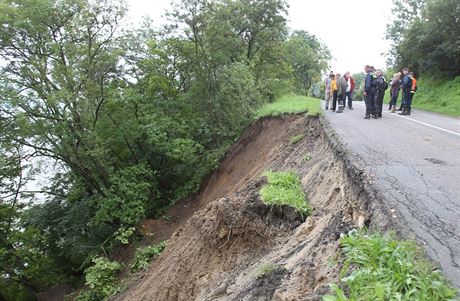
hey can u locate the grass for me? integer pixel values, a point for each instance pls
(290, 104)
(296, 139)
(380, 267)
(267, 269)
(435, 95)
(284, 188)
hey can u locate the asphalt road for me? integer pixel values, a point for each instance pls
(416, 163)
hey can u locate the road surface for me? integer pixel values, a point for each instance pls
(416, 164)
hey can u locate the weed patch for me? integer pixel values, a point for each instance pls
(306, 158)
(380, 267)
(267, 269)
(296, 139)
(284, 188)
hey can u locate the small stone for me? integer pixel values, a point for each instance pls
(394, 216)
(393, 210)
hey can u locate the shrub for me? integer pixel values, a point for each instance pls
(284, 188)
(101, 279)
(143, 256)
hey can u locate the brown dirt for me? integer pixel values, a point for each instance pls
(224, 235)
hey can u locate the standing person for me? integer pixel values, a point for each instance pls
(334, 91)
(406, 87)
(327, 96)
(395, 85)
(350, 89)
(381, 85)
(341, 92)
(414, 87)
(369, 92)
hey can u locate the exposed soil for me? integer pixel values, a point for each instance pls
(222, 237)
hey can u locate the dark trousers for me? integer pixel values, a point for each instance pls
(370, 102)
(394, 100)
(334, 100)
(341, 100)
(406, 100)
(379, 102)
(349, 96)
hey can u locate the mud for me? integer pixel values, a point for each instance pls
(224, 235)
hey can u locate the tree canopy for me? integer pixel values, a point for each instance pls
(130, 119)
(425, 36)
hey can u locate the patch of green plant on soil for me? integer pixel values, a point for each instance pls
(306, 157)
(101, 278)
(380, 267)
(267, 269)
(144, 256)
(285, 188)
(290, 104)
(296, 139)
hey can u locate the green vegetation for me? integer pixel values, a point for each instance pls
(380, 267)
(101, 279)
(291, 104)
(296, 139)
(425, 36)
(126, 121)
(144, 256)
(285, 188)
(442, 96)
(306, 158)
(267, 269)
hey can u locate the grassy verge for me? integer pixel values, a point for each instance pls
(380, 267)
(290, 104)
(284, 188)
(441, 96)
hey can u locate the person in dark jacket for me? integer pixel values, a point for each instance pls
(381, 86)
(406, 88)
(369, 92)
(395, 86)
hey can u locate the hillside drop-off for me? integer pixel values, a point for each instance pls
(223, 237)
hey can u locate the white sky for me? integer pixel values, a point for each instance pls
(352, 29)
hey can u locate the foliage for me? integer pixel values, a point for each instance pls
(101, 279)
(296, 139)
(290, 104)
(144, 256)
(307, 58)
(285, 188)
(267, 269)
(425, 36)
(380, 267)
(127, 121)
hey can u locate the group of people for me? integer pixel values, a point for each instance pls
(375, 86)
(340, 88)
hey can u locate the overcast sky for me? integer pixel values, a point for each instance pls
(352, 29)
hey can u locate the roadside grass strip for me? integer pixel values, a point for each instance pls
(380, 267)
(290, 104)
(284, 188)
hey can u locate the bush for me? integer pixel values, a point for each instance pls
(284, 188)
(143, 256)
(101, 279)
(267, 269)
(380, 267)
